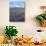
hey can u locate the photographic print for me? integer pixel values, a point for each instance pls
(17, 11)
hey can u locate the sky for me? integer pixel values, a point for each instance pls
(16, 0)
(17, 3)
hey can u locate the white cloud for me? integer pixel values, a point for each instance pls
(17, 6)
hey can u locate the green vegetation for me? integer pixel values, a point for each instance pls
(11, 31)
(41, 17)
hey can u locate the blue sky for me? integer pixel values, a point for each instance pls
(17, 3)
(16, 0)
